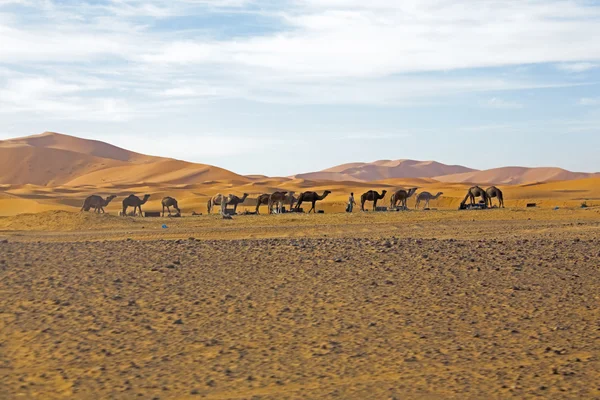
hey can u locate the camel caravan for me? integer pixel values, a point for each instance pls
(278, 201)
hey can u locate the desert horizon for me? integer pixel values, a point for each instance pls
(54, 171)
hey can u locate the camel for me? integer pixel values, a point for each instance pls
(312, 197)
(235, 201)
(225, 200)
(426, 197)
(169, 202)
(135, 202)
(401, 196)
(216, 200)
(290, 198)
(97, 203)
(277, 198)
(472, 193)
(373, 196)
(493, 191)
(263, 199)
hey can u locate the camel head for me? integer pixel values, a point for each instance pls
(244, 197)
(146, 197)
(109, 198)
(383, 192)
(411, 191)
(439, 194)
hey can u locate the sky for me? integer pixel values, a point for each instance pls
(279, 87)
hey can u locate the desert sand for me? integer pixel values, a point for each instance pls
(500, 303)
(438, 304)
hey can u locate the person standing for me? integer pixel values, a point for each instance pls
(351, 203)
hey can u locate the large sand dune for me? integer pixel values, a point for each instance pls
(56, 159)
(514, 176)
(385, 169)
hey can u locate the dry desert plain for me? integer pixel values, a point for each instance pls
(444, 303)
(439, 304)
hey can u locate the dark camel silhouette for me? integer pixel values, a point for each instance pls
(493, 191)
(373, 196)
(169, 202)
(401, 196)
(235, 200)
(473, 193)
(135, 202)
(96, 202)
(311, 197)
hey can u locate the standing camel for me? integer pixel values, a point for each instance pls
(373, 196)
(262, 200)
(291, 199)
(473, 193)
(401, 196)
(426, 197)
(97, 203)
(216, 200)
(235, 201)
(135, 202)
(169, 202)
(493, 191)
(312, 197)
(277, 198)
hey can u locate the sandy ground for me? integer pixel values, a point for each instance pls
(441, 304)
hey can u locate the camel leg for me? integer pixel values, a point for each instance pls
(298, 204)
(102, 209)
(141, 212)
(312, 208)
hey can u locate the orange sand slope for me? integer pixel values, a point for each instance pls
(54, 159)
(515, 176)
(385, 169)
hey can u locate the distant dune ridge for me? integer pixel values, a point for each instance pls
(386, 169)
(515, 176)
(54, 159)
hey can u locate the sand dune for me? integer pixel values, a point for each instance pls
(385, 169)
(515, 176)
(56, 159)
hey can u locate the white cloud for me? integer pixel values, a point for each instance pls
(578, 67)
(496, 102)
(323, 51)
(590, 101)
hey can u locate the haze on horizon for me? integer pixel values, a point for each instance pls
(278, 88)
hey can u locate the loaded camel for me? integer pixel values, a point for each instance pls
(216, 200)
(426, 197)
(135, 202)
(97, 203)
(277, 198)
(169, 202)
(311, 197)
(373, 196)
(401, 196)
(473, 193)
(493, 191)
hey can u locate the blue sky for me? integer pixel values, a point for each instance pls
(283, 87)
